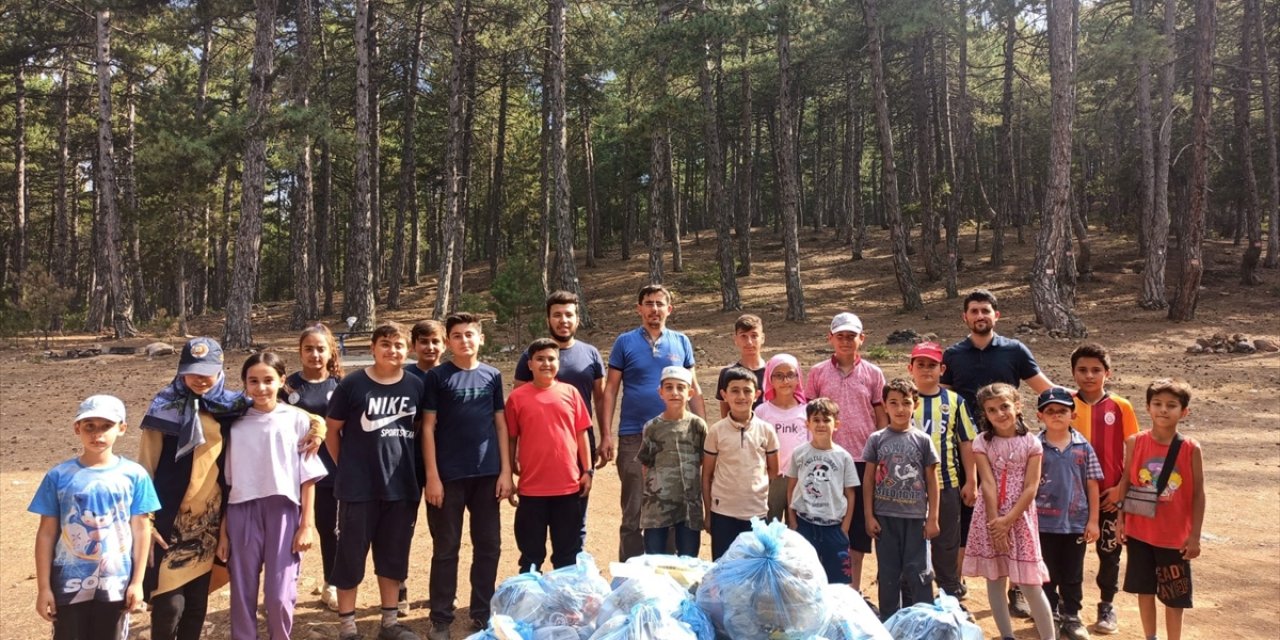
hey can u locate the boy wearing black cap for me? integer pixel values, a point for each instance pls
(94, 531)
(1066, 506)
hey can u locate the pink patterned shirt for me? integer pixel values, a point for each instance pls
(857, 394)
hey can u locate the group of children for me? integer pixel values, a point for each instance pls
(846, 458)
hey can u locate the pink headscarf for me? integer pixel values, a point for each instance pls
(774, 363)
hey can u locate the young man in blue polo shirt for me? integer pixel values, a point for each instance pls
(980, 359)
(635, 368)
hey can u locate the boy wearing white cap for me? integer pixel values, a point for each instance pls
(671, 459)
(856, 387)
(94, 531)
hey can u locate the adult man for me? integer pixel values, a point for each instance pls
(581, 367)
(635, 367)
(980, 359)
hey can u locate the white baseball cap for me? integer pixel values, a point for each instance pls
(679, 373)
(846, 322)
(101, 406)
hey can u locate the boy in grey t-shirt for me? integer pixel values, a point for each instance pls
(900, 490)
(821, 478)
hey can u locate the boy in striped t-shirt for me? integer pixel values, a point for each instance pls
(1106, 420)
(941, 414)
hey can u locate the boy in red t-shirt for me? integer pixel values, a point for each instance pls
(547, 422)
(1106, 420)
(1161, 547)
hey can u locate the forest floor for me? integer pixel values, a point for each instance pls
(1235, 414)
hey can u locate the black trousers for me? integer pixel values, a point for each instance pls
(1064, 555)
(945, 548)
(326, 514)
(535, 516)
(91, 620)
(1109, 550)
(179, 614)
(476, 496)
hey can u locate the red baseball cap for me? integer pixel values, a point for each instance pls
(930, 350)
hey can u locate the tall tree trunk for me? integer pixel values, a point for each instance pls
(244, 282)
(302, 230)
(544, 168)
(464, 161)
(198, 256)
(325, 250)
(924, 158)
(18, 248)
(1191, 269)
(358, 298)
(1243, 105)
(62, 262)
(888, 171)
(1269, 124)
(956, 191)
(407, 196)
(716, 200)
(566, 269)
(142, 307)
(98, 281)
(376, 226)
(626, 176)
(857, 210)
(660, 194)
(455, 221)
(1146, 141)
(746, 172)
(788, 172)
(109, 250)
(222, 257)
(1153, 272)
(493, 237)
(589, 177)
(1055, 312)
(1008, 164)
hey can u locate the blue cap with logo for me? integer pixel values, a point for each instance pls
(201, 357)
(1055, 395)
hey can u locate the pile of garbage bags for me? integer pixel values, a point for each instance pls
(943, 619)
(769, 585)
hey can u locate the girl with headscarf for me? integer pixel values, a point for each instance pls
(182, 448)
(783, 407)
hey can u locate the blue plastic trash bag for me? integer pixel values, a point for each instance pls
(685, 570)
(574, 595)
(663, 592)
(504, 628)
(520, 597)
(769, 584)
(942, 620)
(849, 617)
(645, 621)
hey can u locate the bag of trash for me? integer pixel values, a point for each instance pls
(941, 620)
(769, 584)
(504, 628)
(663, 592)
(519, 597)
(685, 570)
(849, 617)
(573, 597)
(645, 621)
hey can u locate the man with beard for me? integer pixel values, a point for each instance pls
(635, 368)
(980, 359)
(581, 367)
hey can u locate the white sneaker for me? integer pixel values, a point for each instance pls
(330, 597)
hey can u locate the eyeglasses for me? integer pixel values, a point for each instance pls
(784, 376)
(654, 304)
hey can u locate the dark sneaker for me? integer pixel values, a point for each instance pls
(477, 624)
(1071, 629)
(439, 631)
(1107, 623)
(962, 592)
(1018, 604)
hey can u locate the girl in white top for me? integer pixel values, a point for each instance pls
(783, 407)
(269, 520)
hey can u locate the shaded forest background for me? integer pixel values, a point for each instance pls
(164, 160)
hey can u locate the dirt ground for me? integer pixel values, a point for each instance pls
(1235, 414)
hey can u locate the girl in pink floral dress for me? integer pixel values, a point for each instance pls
(1004, 539)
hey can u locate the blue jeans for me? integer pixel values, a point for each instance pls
(688, 540)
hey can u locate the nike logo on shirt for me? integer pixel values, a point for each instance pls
(376, 425)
